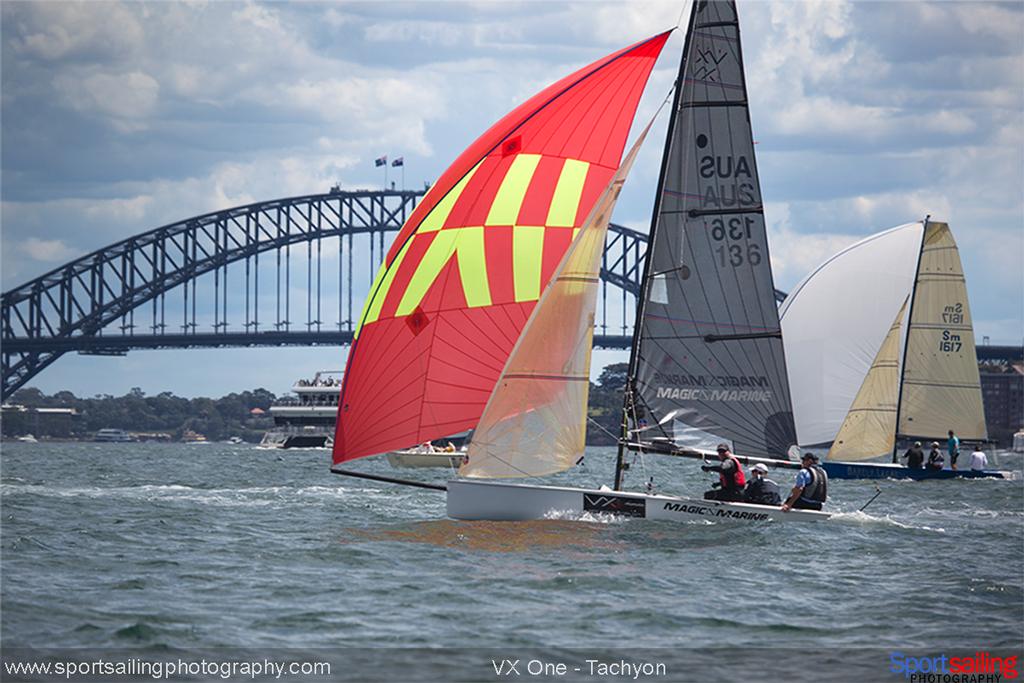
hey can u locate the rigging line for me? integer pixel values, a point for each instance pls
(490, 454)
(601, 427)
(679, 20)
(645, 288)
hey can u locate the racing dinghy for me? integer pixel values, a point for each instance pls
(707, 363)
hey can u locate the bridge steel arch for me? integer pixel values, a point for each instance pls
(76, 307)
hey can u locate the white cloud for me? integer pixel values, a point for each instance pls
(48, 251)
(127, 211)
(125, 99)
(387, 108)
(52, 31)
(794, 253)
(442, 33)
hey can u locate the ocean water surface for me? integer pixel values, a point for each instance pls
(177, 547)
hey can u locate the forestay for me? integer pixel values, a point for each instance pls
(941, 387)
(869, 429)
(708, 362)
(535, 421)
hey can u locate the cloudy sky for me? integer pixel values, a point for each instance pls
(119, 117)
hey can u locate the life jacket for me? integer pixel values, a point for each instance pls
(737, 480)
(817, 490)
(763, 492)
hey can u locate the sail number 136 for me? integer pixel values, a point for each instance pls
(735, 254)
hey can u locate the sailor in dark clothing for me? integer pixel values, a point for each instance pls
(730, 476)
(915, 456)
(936, 460)
(811, 487)
(760, 489)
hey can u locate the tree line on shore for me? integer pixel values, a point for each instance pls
(232, 415)
(216, 418)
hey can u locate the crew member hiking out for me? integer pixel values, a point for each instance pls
(730, 477)
(760, 489)
(811, 489)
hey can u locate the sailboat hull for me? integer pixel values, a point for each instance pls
(486, 500)
(860, 470)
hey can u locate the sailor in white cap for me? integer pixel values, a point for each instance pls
(760, 489)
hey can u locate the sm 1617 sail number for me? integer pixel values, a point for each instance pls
(727, 233)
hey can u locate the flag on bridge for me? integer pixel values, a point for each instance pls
(381, 161)
(400, 161)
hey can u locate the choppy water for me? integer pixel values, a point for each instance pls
(178, 546)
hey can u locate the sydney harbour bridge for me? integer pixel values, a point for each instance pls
(283, 272)
(289, 271)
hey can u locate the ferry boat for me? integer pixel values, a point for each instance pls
(306, 420)
(113, 436)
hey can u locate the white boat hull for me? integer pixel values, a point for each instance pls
(486, 500)
(409, 459)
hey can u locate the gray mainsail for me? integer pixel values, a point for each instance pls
(707, 363)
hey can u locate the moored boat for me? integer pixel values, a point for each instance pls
(113, 436)
(307, 419)
(422, 458)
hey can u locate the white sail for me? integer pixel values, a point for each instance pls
(941, 386)
(834, 321)
(535, 420)
(869, 429)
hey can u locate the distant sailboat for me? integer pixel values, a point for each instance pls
(932, 387)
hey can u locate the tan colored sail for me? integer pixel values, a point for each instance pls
(869, 429)
(535, 420)
(941, 387)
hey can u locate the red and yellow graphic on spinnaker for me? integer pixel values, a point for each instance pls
(467, 268)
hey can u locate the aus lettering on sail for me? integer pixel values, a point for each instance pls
(732, 181)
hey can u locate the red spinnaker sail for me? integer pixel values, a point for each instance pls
(467, 268)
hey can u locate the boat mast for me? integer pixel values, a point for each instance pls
(628, 394)
(906, 338)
